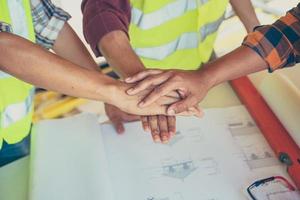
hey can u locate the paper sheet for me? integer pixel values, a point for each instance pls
(68, 160)
(214, 158)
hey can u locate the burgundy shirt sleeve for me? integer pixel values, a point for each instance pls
(104, 16)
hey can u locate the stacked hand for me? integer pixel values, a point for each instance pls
(192, 86)
(153, 117)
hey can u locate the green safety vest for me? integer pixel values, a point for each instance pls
(175, 34)
(16, 96)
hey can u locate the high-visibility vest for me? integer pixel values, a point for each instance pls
(175, 34)
(16, 96)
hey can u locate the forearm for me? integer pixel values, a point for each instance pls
(39, 67)
(240, 62)
(70, 47)
(116, 48)
(246, 13)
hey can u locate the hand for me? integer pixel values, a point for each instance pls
(162, 127)
(117, 117)
(191, 85)
(129, 104)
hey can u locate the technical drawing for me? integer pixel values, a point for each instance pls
(175, 196)
(284, 195)
(176, 138)
(178, 169)
(208, 166)
(193, 134)
(255, 150)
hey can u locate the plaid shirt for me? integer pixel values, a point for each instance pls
(278, 44)
(48, 20)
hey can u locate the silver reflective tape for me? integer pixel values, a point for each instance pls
(4, 75)
(185, 41)
(165, 14)
(210, 28)
(15, 112)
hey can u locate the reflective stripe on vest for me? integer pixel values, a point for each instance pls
(165, 36)
(166, 13)
(13, 113)
(16, 96)
(185, 41)
(4, 75)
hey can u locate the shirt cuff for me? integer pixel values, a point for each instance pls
(101, 24)
(4, 27)
(48, 21)
(272, 45)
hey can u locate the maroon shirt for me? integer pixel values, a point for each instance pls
(104, 16)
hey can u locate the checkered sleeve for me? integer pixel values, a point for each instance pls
(48, 21)
(278, 44)
(4, 27)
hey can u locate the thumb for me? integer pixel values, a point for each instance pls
(118, 125)
(182, 106)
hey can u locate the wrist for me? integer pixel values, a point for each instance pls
(208, 77)
(116, 91)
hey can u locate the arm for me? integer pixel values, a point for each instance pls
(37, 66)
(69, 46)
(245, 11)
(105, 25)
(273, 46)
(117, 50)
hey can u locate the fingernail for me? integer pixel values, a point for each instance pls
(172, 133)
(130, 91)
(120, 131)
(128, 79)
(171, 112)
(141, 104)
(156, 139)
(164, 139)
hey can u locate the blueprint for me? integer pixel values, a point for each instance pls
(213, 158)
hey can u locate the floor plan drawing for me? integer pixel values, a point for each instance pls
(254, 148)
(208, 166)
(178, 169)
(192, 134)
(175, 196)
(176, 138)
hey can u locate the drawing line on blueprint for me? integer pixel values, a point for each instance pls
(194, 134)
(255, 154)
(175, 196)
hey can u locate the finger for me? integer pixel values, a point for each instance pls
(118, 124)
(171, 125)
(142, 75)
(154, 128)
(174, 94)
(130, 118)
(158, 92)
(163, 128)
(145, 123)
(149, 82)
(198, 112)
(182, 105)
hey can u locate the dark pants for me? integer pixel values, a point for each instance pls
(13, 152)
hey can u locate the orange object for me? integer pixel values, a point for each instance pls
(279, 139)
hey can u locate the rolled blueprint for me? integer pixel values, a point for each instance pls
(283, 96)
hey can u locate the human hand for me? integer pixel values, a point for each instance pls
(129, 104)
(117, 117)
(162, 127)
(191, 85)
